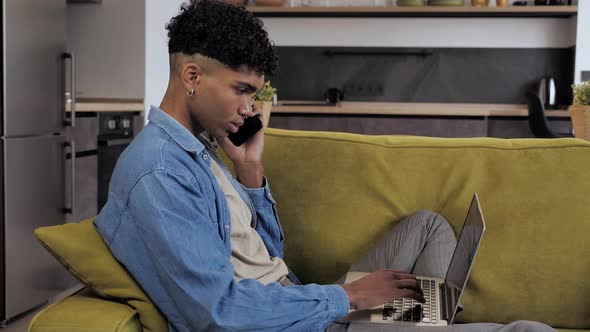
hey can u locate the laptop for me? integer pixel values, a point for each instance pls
(441, 296)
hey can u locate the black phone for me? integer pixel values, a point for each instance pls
(250, 127)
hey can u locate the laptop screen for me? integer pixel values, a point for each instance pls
(463, 257)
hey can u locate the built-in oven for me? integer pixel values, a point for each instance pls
(100, 139)
(115, 132)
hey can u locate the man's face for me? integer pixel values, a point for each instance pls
(222, 96)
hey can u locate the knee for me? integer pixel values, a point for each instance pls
(432, 221)
(426, 214)
(528, 326)
(432, 217)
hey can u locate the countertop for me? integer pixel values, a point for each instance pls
(347, 107)
(108, 105)
(416, 109)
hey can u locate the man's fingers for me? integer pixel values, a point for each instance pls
(399, 275)
(403, 275)
(412, 294)
(410, 284)
(398, 271)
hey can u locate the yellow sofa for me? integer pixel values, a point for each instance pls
(337, 192)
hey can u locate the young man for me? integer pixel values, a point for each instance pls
(208, 248)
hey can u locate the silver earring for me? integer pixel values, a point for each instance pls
(190, 93)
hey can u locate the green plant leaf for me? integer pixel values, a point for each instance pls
(265, 93)
(581, 93)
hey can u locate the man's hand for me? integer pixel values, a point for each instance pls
(382, 286)
(247, 158)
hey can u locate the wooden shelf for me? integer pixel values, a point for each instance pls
(424, 11)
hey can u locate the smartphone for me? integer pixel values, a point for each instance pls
(250, 127)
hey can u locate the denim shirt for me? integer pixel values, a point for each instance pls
(167, 221)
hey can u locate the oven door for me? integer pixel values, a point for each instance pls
(108, 154)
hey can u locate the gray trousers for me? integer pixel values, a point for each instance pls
(422, 244)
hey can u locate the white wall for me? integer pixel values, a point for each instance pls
(158, 13)
(108, 40)
(583, 40)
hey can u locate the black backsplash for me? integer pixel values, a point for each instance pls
(446, 75)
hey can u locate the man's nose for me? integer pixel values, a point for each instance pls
(247, 110)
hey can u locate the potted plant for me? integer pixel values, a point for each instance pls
(264, 99)
(580, 110)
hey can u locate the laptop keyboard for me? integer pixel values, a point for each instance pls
(408, 310)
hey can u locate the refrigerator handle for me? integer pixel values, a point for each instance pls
(71, 95)
(72, 145)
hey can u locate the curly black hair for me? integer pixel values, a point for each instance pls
(225, 32)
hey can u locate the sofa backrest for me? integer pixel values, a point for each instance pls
(338, 193)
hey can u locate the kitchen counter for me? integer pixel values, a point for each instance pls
(108, 105)
(348, 108)
(410, 109)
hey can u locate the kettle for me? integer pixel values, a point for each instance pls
(546, 92)
(334, 96)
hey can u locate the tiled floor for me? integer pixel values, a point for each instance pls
(22, 324)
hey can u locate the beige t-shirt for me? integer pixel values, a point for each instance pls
(249, 255)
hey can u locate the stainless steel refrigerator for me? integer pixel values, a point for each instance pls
(33, 150)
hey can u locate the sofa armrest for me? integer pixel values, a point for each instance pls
(85, 312)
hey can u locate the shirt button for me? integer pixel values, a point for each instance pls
(227, 227)
(206, 157)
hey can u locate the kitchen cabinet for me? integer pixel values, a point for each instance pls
(500, 127)
(108, 38)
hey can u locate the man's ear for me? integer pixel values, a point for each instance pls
(191, 76)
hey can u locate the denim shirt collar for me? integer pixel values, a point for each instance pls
(178, 132)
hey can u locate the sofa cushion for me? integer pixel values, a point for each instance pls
(82, 251)
(84, 312)
(337, 194)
